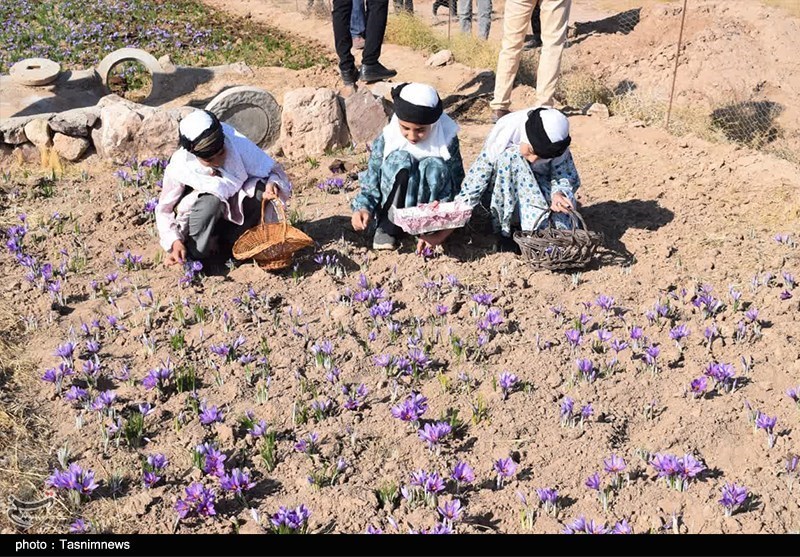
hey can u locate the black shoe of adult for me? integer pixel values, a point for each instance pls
(534, 42)
(350, 77)
(376, 72)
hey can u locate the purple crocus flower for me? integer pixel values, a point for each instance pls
(433, 483)
(75, 479)
(586, 411)
(65, 352)
(373, 530)
(238, 481)
(76, 394)
(214, 460)
(462, 473)
(507, 382)
(651, 355)
(483, 299)
(567, 406)
(606, 303)
(574, 337)
(198, 500)
(614, 464)
(433, 434)
(505, 468)
(548, 496)
(751, 315)
(593, 482)
(451, 510)
(698, 387)
(104, 400)
(258, 429)
(411, 409)
(210, 415)
(622, 527)
(636, 333)
(733, 497)
(766, 423)
(785, 295)
(586, 369)
(679, 332)
(79, 527)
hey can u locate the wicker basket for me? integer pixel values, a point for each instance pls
(271, 245)
(558, 250)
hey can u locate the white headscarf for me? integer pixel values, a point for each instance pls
(509, 131)
(185, 168)
(439, 137)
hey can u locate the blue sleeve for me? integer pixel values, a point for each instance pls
(478, 178)
(369, 197)
(564, 177)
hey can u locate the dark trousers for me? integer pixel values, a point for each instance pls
(536, 23)
(396, 199)
(206, 224)
(377, 12)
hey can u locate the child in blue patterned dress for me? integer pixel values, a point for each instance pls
(416, 159)
(524, 170)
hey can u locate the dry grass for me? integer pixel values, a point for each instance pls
(410, 31)
(580, 89)
(791, 6)
(623, 5)
(24, 452)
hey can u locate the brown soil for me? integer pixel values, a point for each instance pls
(691, 212)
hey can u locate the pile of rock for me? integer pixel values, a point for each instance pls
(313, 121)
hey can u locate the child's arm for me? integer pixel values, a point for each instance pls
(456, 164)
(477, 180)
(369, 197)
(168, 230)
(564, 178)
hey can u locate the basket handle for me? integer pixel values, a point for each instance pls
(279, 209)
(574, 217)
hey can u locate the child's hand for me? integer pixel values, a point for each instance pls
(177, 254)
(271, 191)
(433, 239)
(560, 203)
(360, 220)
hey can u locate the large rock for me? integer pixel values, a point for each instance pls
(70, 148)
(366, 116)
(312, 122)
(38, 132)
(111, 100)
(441, 58)
(115, 139)
(598, 109)
(13, 130)
(77, 122)
(158, 136)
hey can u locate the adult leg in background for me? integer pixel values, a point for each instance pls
(342, 11)
(465, 15)
(371, 69)
(554, 21)
(517, 18)
(358, 23)
(484, 18)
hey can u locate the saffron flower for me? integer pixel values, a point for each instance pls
(238, 481)
(733, 497)
(434, 434)
(507, 383)
(676, 471)
(462, 473)
(767, 424)
(199, 500)
(209, 415)
(411, 409)
(450, 511)
(505, 468)
(698, 387)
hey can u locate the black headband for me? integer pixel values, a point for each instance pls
(410, 112)
(542, 145)
(212, 139)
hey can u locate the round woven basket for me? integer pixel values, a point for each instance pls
(271, 245)
(558, 250)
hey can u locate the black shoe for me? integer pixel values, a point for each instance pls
(350, 77)
(376, 72)
(506, 244)
(534, 42)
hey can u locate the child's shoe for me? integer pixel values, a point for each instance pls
(383, 240)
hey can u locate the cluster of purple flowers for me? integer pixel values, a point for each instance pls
(356, 397)
(74, 479)
(199, 500)
(433, 434)
(722, 374)
(733, 497)
(423, 486)
(334, 184)
(572, 418)
(130, 261)
(210, 459)
(154, 468)
(192, 270)
(505, 468)
(411, 409)
(158, 378)
(210, 414)
(582, 526)
(507, 382)
(676, 471)
(228, 351)
(237, 481)
(291, 521)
